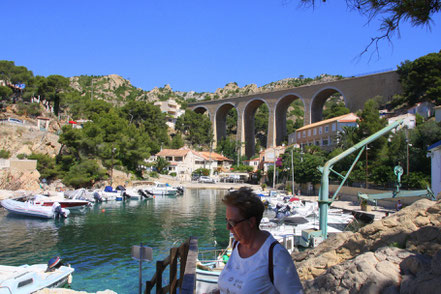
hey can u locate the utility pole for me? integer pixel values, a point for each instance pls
(274, 169)
(366, 166)
(292, 171)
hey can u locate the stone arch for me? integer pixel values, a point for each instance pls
(280, 111)
(319, 100)
(221, 119)
(202, 109)
(248, 115)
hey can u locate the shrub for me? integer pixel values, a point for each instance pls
(5, 154)
(22, 156)
(154, 174)
(173, 174)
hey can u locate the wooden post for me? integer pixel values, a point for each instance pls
(173, 269)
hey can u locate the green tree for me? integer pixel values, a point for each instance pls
(196, 127)
(177, 141)
(161, 165)
(51, 87)
(336, 109)
(45, 166)
(421, 79)
(228, 148)
(14, 74)
(5, 92)
(84, 174)
(370, 123)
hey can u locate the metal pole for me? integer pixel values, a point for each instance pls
(140, 269)
(292, 171)
(366, 185)
(274, 169)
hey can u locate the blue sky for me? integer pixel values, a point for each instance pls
(200, 45)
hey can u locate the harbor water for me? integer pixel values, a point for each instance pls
(97, 242)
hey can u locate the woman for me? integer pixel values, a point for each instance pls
(258, 264)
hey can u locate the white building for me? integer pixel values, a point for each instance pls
(184, 161)
(172, 109)
(435, 155)
(409, 121)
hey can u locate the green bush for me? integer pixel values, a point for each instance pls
(173, 174)
(5, 154)
(201, 171)
(22, 156)
(154, 174)
(45, 166)
(84, 174)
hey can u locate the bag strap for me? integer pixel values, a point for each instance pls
(235, 243)
(270, 261)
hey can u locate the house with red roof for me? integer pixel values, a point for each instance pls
(323, 133)
(184, 161)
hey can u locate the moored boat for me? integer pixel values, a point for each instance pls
(28, 208)
(161, 189)
(31, 278)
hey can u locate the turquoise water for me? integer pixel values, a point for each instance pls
(97, 243)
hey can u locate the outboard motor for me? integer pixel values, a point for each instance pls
(53, 264)
(143, 194)
(97, 197)
(59, 212)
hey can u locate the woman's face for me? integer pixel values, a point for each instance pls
(237, 224)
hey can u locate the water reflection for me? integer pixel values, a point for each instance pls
(97, 243)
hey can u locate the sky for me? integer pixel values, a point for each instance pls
(201, 45)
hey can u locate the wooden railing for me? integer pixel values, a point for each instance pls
(187, 254)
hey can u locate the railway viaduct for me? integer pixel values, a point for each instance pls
(355, 91)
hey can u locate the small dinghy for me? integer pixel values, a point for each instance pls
(28, 208)
(31, 278)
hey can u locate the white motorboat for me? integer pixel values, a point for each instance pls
(28, 208)
(27, 279)
(161, 189)
(65, 203)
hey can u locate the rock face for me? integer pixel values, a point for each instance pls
(15, 180)
(398, 254)
(19, 140)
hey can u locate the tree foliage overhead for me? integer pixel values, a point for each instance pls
(392, 13)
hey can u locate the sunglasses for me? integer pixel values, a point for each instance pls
(232, 223)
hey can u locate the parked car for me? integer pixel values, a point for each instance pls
(205, 179)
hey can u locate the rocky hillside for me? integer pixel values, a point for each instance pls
(398, 254)
(115, 89)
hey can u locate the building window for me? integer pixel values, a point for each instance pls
(309, 133)
(317, 143)
(325, 142)
(326, 129)
(314, 131)
(334, 127)
(169, 158)
(298, 135)
(304, 134)
(320, 130)
(178, 158)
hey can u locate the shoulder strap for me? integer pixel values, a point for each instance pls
(234, 244)
(270, 261)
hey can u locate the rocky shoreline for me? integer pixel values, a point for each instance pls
(399, 254)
